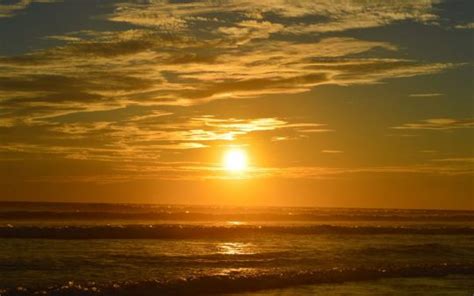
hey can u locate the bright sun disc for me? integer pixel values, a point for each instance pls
(235, 160)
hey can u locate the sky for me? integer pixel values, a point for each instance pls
(337, 103)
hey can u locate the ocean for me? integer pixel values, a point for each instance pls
(132, 249)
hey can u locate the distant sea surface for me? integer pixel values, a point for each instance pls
(129, 249)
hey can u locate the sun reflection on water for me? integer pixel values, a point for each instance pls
(240, 272)
(236, 248)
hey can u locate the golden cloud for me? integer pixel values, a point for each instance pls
(438, 124)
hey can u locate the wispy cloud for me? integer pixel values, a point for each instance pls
(456, 159)
(310, 16)
(141, 69)
(332, 151)
(426, 95)
(429, 151)
(438, 124)
(106, 95)
(108, 71)
(143, 138)
(9, 10)
(465, 26)
(193, 52)
(202, 171)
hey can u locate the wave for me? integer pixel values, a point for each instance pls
(175, 231)
(409, 249)
(196, 216)
(91, 211)
(234, 283)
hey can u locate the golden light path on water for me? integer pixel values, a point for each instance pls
(236, 248)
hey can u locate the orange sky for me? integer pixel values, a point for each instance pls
(357, 104)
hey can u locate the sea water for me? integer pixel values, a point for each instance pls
(125, 249)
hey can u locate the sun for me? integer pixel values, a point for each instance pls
(235, 160)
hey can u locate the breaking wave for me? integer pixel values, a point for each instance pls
(176, 231)
(197, 216)
(229, 283)
(89, 211)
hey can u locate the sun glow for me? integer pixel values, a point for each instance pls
(235, 160)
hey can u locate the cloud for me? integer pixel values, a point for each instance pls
(428, 151)
(332, 151)
(307, 16)
(107, 95)
(248, 30)
(341, 172)
(109, 70)
(207, 171)
(142, 138)
(456, 159)
(426, 95)
(9, 10)
(438, 124)
(468, 26)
